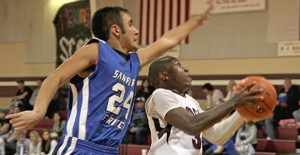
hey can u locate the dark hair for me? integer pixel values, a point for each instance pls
(60, 115)
(104, 18)
(46, 144)
(208, 86)
(157, 66)
(20, 81)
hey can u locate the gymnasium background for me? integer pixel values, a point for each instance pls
(230, 46)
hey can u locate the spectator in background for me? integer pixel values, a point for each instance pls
(288, 98)
(287, 103)
(190, 92)
(146, 89)
(246, 139)
(35, 143)
(296, 115)
(58, 124)
(10, 137)
(23, 94)
(22, 144)
(48, 144)
(213, 96)
(139, 123)
(35, 91)
(2, 146)
(230, 90)
(4, 124)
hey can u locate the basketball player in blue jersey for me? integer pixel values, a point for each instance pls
(103, 76)
(176, 120)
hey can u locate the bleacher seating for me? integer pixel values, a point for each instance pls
(45, 123)
(131, 149)
(265, 153)
(276, 145)
(287, 133)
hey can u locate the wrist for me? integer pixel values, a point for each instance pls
(40, 113)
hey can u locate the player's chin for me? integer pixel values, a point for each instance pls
(189, 79)
(134, 47)
(189, 82)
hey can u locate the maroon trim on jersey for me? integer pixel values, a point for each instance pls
(162, 131)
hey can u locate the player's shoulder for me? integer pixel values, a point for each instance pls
(161, 90)
(89, 49)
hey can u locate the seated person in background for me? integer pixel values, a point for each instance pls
(181, 120)
(288, 99)
(35, 143)
(23, 94)
(190, 92)
(58, 124)
(35, 91)
(22, 144)
(48, 144)
(139, 122)
(287, 103)
(4, 123)
(2, 146)
(246, 138)
(230, 90)
(146, 89)
(10, 136)
(296, 115)
(213, 96)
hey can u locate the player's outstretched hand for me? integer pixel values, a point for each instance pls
(24, 120)
(204, 16)
(247, 96)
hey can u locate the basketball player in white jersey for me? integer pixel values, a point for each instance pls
(176, 120)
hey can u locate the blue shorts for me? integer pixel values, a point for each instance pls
(74, 146)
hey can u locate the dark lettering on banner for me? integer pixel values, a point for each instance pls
(72, 23)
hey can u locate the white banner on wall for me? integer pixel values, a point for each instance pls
(227, 6)
(289, 48)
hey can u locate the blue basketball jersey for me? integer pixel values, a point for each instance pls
(100, 106)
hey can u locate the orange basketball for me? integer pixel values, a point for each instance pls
(264, 108)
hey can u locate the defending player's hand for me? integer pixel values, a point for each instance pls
(246, 96)
(24, 120)
(204, 16)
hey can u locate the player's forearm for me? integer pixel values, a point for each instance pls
(178, 34)
(221, 132)
(46, 93)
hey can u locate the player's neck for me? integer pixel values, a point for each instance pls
(117, 45)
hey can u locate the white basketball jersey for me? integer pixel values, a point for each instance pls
(167, 139)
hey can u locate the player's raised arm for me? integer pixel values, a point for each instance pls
(171, 38)
(82, 59)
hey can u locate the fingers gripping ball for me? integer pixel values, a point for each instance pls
(265, 107)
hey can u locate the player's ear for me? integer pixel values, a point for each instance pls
(115, 29)
(164, 76)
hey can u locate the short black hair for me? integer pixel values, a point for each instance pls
(104, 18)
(208, 86)
(20, 81)
(157, 66)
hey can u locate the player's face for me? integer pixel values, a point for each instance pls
(180, 77)
(130, 38)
